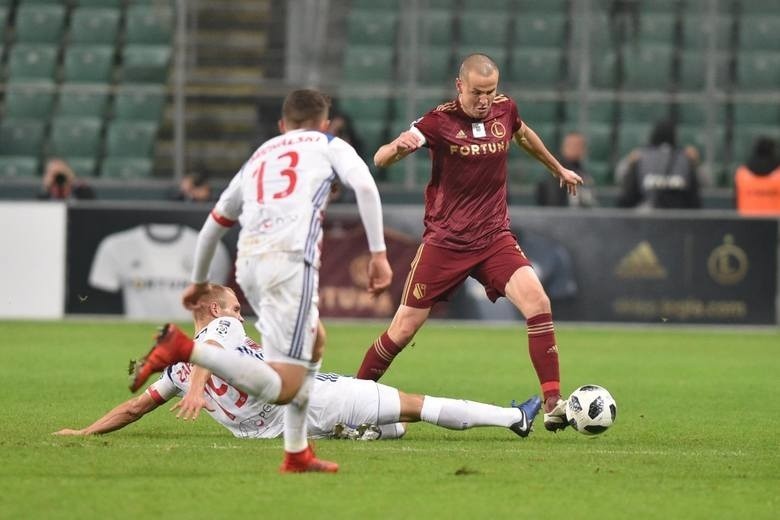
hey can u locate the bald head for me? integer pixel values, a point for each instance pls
(480, 64)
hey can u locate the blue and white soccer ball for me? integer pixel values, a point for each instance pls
(591, 409)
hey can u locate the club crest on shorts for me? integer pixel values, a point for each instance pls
(419, 291)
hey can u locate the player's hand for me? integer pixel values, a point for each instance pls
(406, 143)
(570, 180)
(68, 431)
(192, 294)
(190, 406)
(379, 273)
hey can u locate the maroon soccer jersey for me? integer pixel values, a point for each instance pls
(465, 200)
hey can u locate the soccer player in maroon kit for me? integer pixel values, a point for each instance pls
(467, 230)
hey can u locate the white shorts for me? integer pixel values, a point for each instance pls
(283, 291)
(338, 399)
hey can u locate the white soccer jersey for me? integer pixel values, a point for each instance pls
(280, 194)
(334, 398)
(151, 265)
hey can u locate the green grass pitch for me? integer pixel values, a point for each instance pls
(696, 434)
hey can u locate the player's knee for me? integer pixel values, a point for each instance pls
(538, 303)
(403, 330)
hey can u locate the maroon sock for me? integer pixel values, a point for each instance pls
(544, 354)
(378, 358)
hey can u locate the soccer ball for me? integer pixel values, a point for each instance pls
(590, 409)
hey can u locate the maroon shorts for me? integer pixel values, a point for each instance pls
(436, 271)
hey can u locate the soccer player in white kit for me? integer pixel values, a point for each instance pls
(339, 407)
(279, 197)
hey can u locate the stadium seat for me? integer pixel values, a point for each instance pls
(758, 70)
(604, 72)
(481, 28)
(746, 135)
(644, 112)
(364, 108)
(148, 25)
(695, 113)
(28, 101)
(130, 139)
(759, 33)
(435, 27)
(82, 166)
(656, 29)
(100, 3)
(601, 37)
(21, 137)
(145, 63)
(435, 66)
(542, 112)
(372, 28)
(648, 67)
(748, 113)
(598, 112)
(32, 62)
(539, 67)
(139, 104)
(78, 100)
(760, 7)
(372, 135)
(697, 30)
(632, 135)
(535, 6)
(368, 64)
(539, 30)
(697, 136)
(75, 137)
(39, 23)
(125, 168)
(89, 63)
(94, 25)
(421, 105)
(3, 19)
(18, 167)
(659, 6)
(479, 5)
(693, 70)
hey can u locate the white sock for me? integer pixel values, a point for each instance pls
(392, 431)
(295, 430)
(248, 374)
(457, 414)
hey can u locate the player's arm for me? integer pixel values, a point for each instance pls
(194, 400)
(354, 173)
(124, 414)
(529, 141)
(392, 152)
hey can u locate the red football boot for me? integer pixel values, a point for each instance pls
(306, 462)
(171, 346)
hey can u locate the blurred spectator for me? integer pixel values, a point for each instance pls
(60, 182)
(549, 191)
(661, 175)
(757, 182)
(341, 125)
(194, 188)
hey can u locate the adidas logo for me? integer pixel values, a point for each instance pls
(640, 263)
(460, 135)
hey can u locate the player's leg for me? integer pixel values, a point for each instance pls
(434, 273)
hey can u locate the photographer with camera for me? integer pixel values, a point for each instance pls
(60, 182)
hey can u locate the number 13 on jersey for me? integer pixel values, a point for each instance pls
(285, 177)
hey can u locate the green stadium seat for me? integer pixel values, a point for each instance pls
(3, 19)
(372, 28)
(32, 62)
(648, 67)
(39, 23)
(386, 5)
(18, 167)
(78, 100)
(643, 111)
(75, 137)
(538, 30)
(542, 112)
(94, 25)
(539, 67)
(145, 63)
(435, 66)
(435, 27)
(693, 70)
(372, 135)
(695, 113)
(632, 135)
(89, 63)
(139, 104)
(697, 136)
(148, 25)
(598, 112)
(746, 135)
(656, 29)
(421, 106)
(364, 108)
(598, 137)
(100, 3)
(125, 168)
(368, 64)
(480, 28)
(659, 6)
(479, 5)
(604, 73)
(600, 35)
(759, 33)
(535, 6)
(82, 166)
(758, 71)
(29, 101)
(498, 54)
(130, 139)
(697, 30)
(21, 137)
(747, 113)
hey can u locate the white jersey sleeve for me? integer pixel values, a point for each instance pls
(104, 273)
(164, 388)
(226, 331)
(230, 201)
(354, 173)
(420, 136)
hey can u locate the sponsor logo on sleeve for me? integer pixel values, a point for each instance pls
(222, 328)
